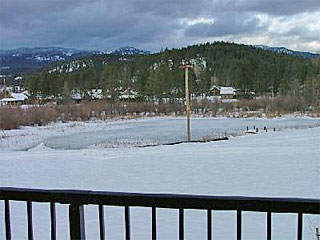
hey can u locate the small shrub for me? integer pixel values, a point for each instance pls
(11, 118)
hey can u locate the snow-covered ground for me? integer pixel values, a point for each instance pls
(273, 164)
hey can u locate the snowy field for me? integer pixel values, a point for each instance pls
(284, 163)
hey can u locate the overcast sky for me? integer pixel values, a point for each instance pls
(156, 24)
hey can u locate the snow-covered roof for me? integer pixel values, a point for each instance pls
(76, 96)
(95, 93)
(8, 100)
(128, 94)
(26, 93)
(19, 96)
(15, 97)
(227, 90)
(213, 87)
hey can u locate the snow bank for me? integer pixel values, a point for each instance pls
(26, 138)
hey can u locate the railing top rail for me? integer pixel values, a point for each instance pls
(257, 204)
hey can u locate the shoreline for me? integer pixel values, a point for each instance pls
(28, 137)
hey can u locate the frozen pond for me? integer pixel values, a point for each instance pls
(158, 131)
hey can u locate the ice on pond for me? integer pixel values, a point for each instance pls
(158, 131)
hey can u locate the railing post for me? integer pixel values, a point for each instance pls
(127, 222)
(53, 220)
(209, 224)
(300, 220)
(239, 223)
(76, 222)
(101, 222)
(29, 217)
(269, 226)
(154, 223)
(7, 219)
(181, 224)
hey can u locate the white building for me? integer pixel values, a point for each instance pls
(13, 99)
(95, 94)
(227, 92)
(128, 94)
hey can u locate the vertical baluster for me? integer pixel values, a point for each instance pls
(181, 224)
(7, 219)
(154, 223)
(53, 220)
(127, 222)
(76, 222)
(101, 222)
(269, 225)
(299, 226)
(29, 216)
(239, 220)
(209, 223)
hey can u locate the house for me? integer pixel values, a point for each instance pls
(77, 95)
(214, 90)
(227, 92)
(246, 94)
(13, 99)
(95, 94)
(128, 94)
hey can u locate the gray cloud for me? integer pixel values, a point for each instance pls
(304, 34)
(278, 7)
(182, 8)
(229, 23)
(106, 24)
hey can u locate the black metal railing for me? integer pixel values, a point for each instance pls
(76, 199)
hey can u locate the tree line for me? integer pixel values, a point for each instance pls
(158, 76)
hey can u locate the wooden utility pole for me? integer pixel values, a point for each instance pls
(5, 87)
(188, 109)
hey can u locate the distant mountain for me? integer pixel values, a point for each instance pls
(158, 76)
(26, 59)
(288, 51)
(43, 51)
(23, 59)
(129, 51)
(31, 59)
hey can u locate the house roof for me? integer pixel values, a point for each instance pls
(8, 100)
(19, 96)
(227, 90)
(14, 97)
(128, 94)
(95, 93)
(76, 96)
(214, 87)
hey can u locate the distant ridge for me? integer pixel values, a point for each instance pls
(158, 75)
(130, 51)
(26, 59)
(32, 59)
(288, 51)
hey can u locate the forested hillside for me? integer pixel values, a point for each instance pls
(158, 75)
